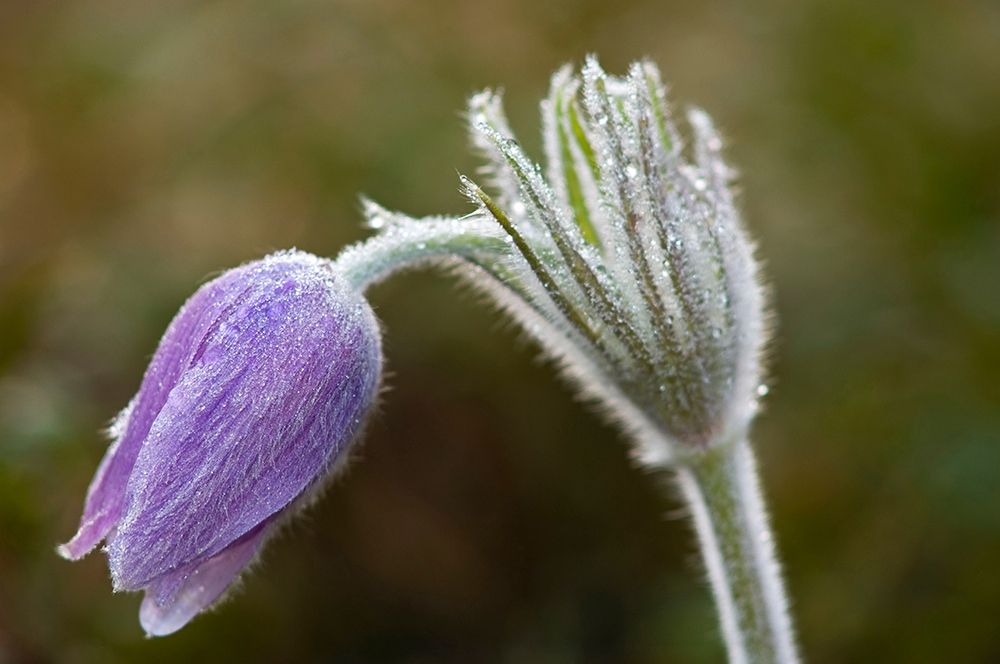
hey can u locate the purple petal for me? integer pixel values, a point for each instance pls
(274, 394)
(174, 599)
(104, 503)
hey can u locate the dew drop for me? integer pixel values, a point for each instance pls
(630, 171)
(762, 390)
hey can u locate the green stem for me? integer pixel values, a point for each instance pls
(723, 493)
(421, 242)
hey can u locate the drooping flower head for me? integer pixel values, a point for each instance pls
(254, 395)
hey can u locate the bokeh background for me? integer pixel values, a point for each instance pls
(145, 145)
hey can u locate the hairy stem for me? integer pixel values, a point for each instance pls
(421, 242)
(723, 493)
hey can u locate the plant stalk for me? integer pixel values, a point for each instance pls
(723, 493)
(476, 241)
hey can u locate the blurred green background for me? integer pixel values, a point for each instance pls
(145, 145)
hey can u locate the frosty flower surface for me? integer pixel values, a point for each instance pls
(255, 393)
(624, 255)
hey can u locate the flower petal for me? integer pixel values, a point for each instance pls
(189, 591)
(104, 503)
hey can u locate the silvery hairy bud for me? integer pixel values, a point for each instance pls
(625, 256)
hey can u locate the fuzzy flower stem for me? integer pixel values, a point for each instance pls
(375, 259)
(723, 493)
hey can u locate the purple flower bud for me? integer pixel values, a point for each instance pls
(256, 391)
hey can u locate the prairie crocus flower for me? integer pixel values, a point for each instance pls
(251, 401)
